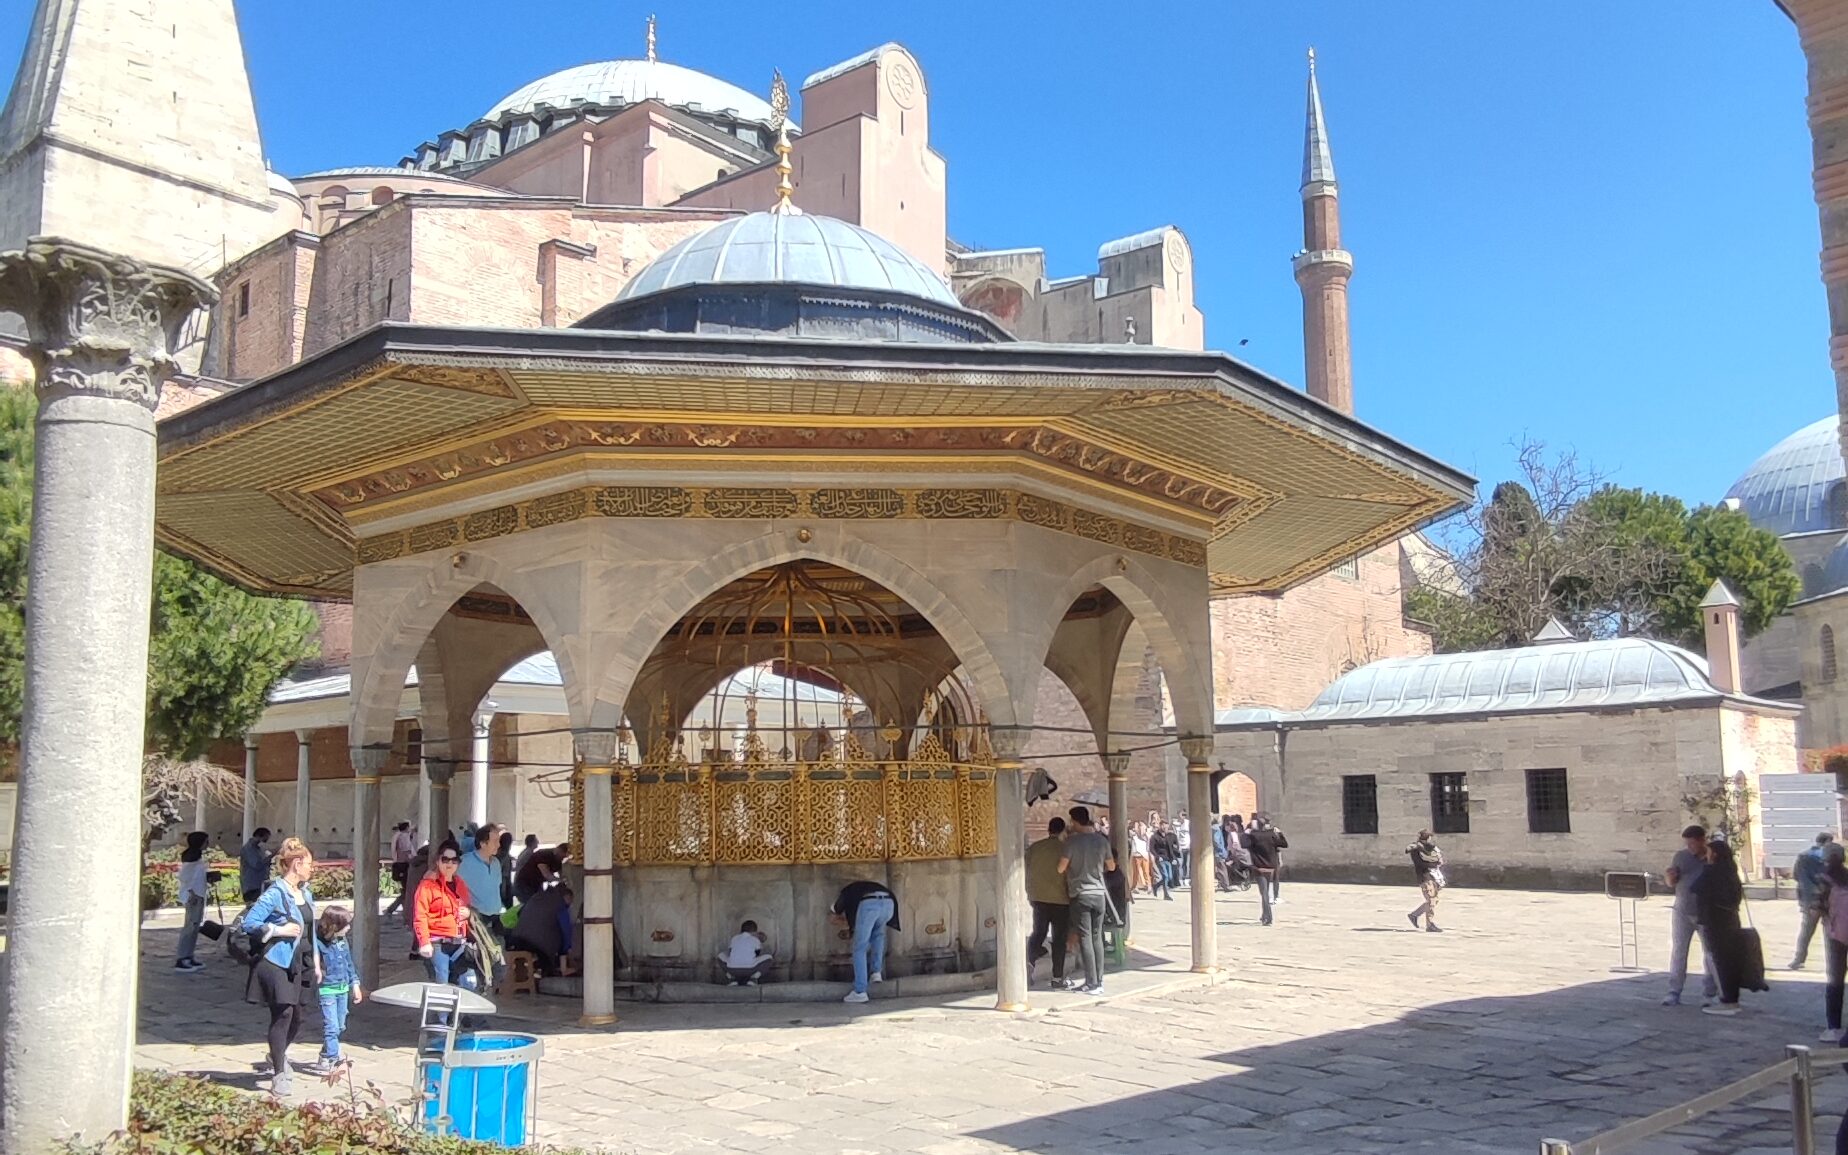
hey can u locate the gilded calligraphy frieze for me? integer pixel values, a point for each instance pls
(561, 436)
(732, 502)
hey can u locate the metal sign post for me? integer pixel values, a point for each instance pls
(1628, 888)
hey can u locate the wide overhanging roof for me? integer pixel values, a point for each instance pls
(274, 484)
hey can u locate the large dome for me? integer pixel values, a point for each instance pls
(1796, 487)
(621, 82)
(798, 248)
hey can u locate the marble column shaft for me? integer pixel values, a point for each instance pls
(250, 786)
(367, 764)
(304, 786)
(596, 752)
(1200, 822)
(101, 330)
(1117, 767)
(479, 758)
(1010, 887)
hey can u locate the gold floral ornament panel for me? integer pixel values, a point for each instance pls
(775, 504)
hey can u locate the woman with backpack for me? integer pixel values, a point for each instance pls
(287, 967)
(1718, 894)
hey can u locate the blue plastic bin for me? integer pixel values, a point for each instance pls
(493, 1087)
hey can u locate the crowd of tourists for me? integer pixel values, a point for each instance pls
(468, 900)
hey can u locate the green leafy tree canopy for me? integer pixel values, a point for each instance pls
(214, 650)
(1609, 561)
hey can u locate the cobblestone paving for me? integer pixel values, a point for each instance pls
(1337, 1030)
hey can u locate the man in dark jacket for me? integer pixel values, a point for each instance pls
(1263, 841)
(544, 927)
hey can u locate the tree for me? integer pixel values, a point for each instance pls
(214, 650)
(1562, 542)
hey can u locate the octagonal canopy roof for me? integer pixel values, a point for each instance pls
(408, 439)
(767, 247)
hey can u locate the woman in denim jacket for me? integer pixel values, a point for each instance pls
(288, 966)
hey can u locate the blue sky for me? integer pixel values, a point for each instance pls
(1583, 221)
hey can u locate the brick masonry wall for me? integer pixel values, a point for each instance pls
(1283, 650)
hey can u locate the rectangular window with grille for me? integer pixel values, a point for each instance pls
(1349, 569)
(1449, 804)
(1549, 808)
(1360, 804)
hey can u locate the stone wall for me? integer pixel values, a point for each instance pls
(1627, 771)
(1282, 650)
(1825, 698)
(671, 921)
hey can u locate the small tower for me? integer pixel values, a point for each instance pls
(1323, 267)
(1719, 613)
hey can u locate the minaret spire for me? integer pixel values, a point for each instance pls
(651, 39)
(1318, 161)
(1323, 267)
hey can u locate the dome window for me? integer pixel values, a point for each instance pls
(1835, 502)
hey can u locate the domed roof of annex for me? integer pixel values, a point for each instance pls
(622, 82)
(795, 248)
(1542, 677)
(1788, 489)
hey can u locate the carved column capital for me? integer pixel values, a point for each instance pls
(368, 761)
(1008, 744)
(1117, 763)
(594, 747)
(1197, 751)
(99, 323)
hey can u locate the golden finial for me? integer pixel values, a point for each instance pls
(779, 118)
(651, 38)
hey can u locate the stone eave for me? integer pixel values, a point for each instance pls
(686, 354)
(1345, 488)
(1691, 702)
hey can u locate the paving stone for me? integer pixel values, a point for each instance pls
(1325, 1038)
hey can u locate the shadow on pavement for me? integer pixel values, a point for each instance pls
(1474, 1075)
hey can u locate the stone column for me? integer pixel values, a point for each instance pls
(368, 762)
(1010, 872)
(440, 778)
(199, 811)
(250, 786)
(101, 331)
(596, 753)
(479, 768)
(1200, 823)
(304, 785)
(1117, 767)
(423, 798)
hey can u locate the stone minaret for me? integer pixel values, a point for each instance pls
(1323, 267)
(1822, 28)
(131, 128)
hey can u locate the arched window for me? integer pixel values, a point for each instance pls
(1835, 503)
(1827, 642)
(382, 195)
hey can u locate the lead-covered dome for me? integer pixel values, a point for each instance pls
(1558, 676)
(1797, 486)
(796, 247)
(792, 274)
(608, 83)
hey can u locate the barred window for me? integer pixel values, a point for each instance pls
(1549, 809)
(1449, 804)
(1349, 569)
(1825, 640)
(1360, 804)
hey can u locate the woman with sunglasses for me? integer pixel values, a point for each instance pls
(439, 919)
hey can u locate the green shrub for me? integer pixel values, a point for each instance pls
(182, 1115)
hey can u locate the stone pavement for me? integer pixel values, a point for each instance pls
(1338, 1029)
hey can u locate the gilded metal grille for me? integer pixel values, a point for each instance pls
(844, 808)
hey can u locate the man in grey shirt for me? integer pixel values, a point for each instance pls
(1690, 860)
(1087, 856)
